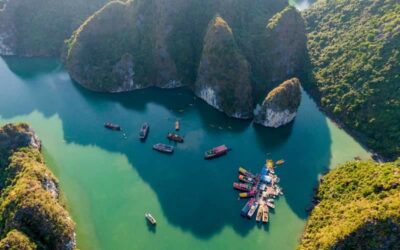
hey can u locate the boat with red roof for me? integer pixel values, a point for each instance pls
(216, 152)
(242, 186)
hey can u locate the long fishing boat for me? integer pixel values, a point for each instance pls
(260, 213)
(265, 214)
(242, 186)
(175, 137)
(244, 172)
(163, 148)
(216, 152)
(144, 131)
(112, 126)
(246, 207)
(246, 179)
(253, 209)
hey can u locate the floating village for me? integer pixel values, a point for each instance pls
(261, 189)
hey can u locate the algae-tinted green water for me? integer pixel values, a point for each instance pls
(109, 181)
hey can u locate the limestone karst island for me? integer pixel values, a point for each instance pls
(199, 124)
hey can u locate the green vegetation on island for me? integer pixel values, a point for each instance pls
(31, 215)
(354, 49)
(224, 73)
(16, 240)
(280, 105)
(39, 27)
(122, 47)
(358, 208)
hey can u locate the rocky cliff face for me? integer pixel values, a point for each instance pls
(13, 137)
(122, 47)
(7, 30)
(39, 27)
(224, 73)
(287, 44)
(127, 46)
(30, 211)
(280, 106)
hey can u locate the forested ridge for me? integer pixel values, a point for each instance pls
(354, 50)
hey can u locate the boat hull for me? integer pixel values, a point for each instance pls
(163, 148)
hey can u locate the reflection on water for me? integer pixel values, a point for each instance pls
(110, 181)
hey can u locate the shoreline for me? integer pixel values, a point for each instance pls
(359, 137)
(311, 92)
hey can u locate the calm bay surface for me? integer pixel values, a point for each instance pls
(110, 180)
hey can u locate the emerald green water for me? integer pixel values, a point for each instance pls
(110, 182)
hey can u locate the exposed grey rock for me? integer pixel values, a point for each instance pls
(280, 106)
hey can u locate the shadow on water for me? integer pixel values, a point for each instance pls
(276, 136)
(151, 228)
(199, 185)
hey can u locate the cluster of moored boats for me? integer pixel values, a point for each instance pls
(261, 189)
(172, 137)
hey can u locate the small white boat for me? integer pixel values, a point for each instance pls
(269, 204)
(150, 218)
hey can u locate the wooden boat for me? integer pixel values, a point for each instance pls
(249, 194)
(253, 209)
(244, 172)
(150, 218)
(246, 179)
(177, 125)
(265, 214)
(260, 213)
(242, 186)
(112, 126)
(246, 207)
(163, 148)
(279, 162)
(278, 191)
(269, 204)
(144, 131)
(216, 152)
(270, 164)
(175, 137)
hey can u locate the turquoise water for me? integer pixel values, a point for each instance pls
(109, 181)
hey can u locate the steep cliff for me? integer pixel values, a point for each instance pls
(39, 27)
(224, 73)
(280, 106)
(30, 211)
(359, 208)
(123, 47)
(287, 44)
(127, 46)
(354, 49)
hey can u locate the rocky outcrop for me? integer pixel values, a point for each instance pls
(39, 28)
(13, 137)
(220, 49)
(122, 47)
(17, 240)
(31, 213)
(287, 45)
(224, 73)
(280, 106)
(7, 31)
